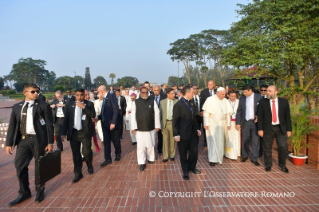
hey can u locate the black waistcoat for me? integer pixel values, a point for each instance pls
(145, 114)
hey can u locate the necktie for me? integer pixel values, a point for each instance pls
(170, 110)
(274, 113)
(78, 117)
(23, 128)
(156, 99)
(210, 92)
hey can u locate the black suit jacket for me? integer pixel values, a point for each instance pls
(54, 110)
(45, 133)
(164, 95)
(72, 99)
(265, 116)
(184, 121)
(87, 124)
(204, 94)
(123, 105)
(110, 113)
(41, 97)
(241, 110)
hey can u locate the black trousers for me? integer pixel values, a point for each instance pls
(191, 147)
(108, 137)
(26, 150)
(200, 123)
(57, 131)
(261, 149)
(76, 139)
(282, 146)
(159, 142)
(249, 130)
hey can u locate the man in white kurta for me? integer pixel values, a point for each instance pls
(232, 145)
(128, 117)
(98, 106)
(216, 122)
(145, 139)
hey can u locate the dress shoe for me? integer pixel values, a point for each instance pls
(212, 164)
(117, 158)
(164, 160)
(186, 176)
(243, 159)
(260, 155)
(77, 178)
(134, 143)
(90, 170)
(268, 169)
(172, 159)
(284, 169)
(255, 163)
(105, 163)
(142, 167)
(160, 152)
(196, 171)
(20, 199)
(150, 162)
(40, 196)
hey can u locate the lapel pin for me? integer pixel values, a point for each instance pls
(20, 104)
(72, 105)
(36, 103)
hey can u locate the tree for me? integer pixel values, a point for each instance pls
(99, 80)
(112, 76)
(1, 83)
(127, 81)
(173, 80)
(59, 87)
(87, 79)
(282, 39)
(66, 81)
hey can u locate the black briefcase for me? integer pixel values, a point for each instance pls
(47, 167)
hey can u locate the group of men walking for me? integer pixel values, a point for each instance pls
(229, 126)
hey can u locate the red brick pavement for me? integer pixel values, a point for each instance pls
(121, 187)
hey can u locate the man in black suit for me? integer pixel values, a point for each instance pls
(163, 90)
(204, 94)
(58, 111)
(186, 132)
(70, 97)
(148, 86)
(40, 96)
(274, 122)
(158, 96)
(246, 119)
(78, 128)
(122, 107)
(263, 92)
(111, 125)
(31, 129)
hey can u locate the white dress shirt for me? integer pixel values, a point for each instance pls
(169, 102)
(276, 105)
(198, 103)
(250, 115)
(29, 124)
(78, 118)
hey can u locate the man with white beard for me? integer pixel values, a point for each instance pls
(128, 117)
(216, 120)
(232, 145)
(145, 121)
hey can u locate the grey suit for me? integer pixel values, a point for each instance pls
(249, 128)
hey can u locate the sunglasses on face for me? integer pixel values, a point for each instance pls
(263, 90)
(34, 91)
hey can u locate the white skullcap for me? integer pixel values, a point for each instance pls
(220, 89)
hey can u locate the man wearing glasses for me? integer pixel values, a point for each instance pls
(31, 130)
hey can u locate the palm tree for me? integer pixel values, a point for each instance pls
(112, 76)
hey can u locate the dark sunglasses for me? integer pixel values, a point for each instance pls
(263, 90)
(34, 91)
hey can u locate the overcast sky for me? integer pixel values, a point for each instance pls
(128, 38)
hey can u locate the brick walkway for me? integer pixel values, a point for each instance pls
(121, 187)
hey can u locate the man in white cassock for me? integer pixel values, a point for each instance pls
(232, 145)
(98, 107)
(128, 117)
(145, 121)
(216, 122)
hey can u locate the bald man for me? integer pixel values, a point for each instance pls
(274, 121)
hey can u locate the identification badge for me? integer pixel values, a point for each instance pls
(42, 121)
(233, 116)
(150, 106)
(84, 117)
